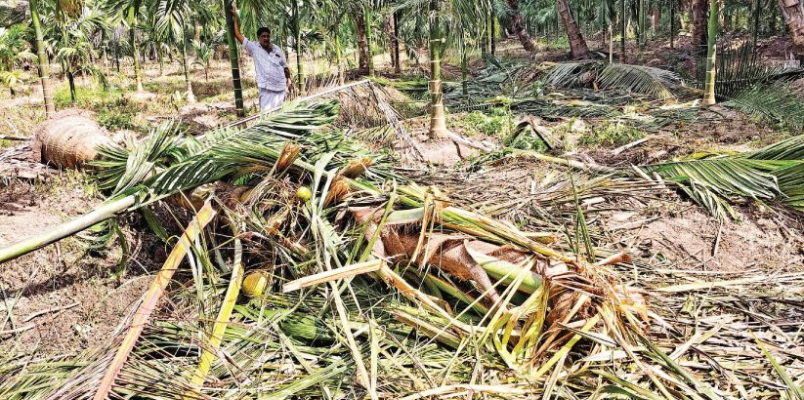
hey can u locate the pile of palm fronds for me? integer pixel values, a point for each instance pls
(391, 290)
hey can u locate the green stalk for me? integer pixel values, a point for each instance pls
(136, 47)
(438, 124)
(43, 63)
(213, 342)
(297, 33)
(234, 58)
(100, 214)
(709, 86)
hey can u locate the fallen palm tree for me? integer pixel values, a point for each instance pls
(69, 139)
(483, 300)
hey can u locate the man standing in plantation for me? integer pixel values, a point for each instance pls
(271, 67)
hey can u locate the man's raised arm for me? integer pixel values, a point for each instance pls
(237, 34)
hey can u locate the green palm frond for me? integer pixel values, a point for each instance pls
(774, 103)
(775, 172)
(124, 167)
(726, 176)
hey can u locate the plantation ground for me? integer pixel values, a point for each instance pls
(69, 297)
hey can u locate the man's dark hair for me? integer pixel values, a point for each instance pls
(262, 30)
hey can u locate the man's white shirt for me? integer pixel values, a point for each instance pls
(269, 67)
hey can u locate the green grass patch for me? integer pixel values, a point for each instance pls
(611, 135)
(89, 97)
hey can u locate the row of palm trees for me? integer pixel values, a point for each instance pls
(78, 33)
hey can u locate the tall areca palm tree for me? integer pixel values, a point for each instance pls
(460, 18)
(173, 19)
(709, 86)
(42, 56)
(131, 12)
(77, 50)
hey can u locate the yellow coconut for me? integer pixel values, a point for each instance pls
(255, 283)
(304, 194)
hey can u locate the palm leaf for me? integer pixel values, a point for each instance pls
(655, 82)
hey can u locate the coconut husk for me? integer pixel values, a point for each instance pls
(69, 139)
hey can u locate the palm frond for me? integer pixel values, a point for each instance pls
(775, 103)
(655, 82)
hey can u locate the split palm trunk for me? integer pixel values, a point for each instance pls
(793, 12)
(577, 43)
(135, 44)
(50, 108)
(183, 45)
(518, 27)
(234, 58)
(438, 124)
(711, 50)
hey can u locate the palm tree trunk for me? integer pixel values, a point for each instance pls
(643, 29)
(438, 123)
(299, 53)
(756, 14)
(391, 38)
(398, 65)
(161, 60)
(793, 12)
(518, 28)
(339, 59)
(624, 31)
(234, 58)
(136, 47)
(50, 108)
(699, 25)
(362, 43)
(464, 67)
(183, 46)
(672, 23)
(369, 35)
(577, 43)
(71, 81)
(709, 87)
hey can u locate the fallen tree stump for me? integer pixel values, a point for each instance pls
(69, 139)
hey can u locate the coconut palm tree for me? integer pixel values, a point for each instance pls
(577, 43)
